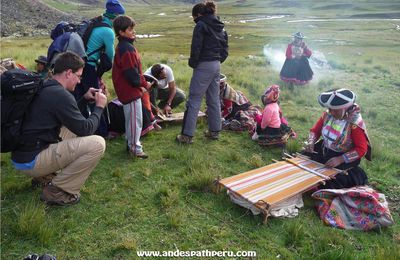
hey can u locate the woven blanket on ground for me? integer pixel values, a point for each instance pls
(266, 186)
(359, 208)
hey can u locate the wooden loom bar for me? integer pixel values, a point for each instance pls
(318, 163)
(307, 169)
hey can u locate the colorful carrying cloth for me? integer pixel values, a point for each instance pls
(358, 208)
(227, 92)
(354, 117)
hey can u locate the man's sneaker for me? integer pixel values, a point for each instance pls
(140, 155)
(184, 139)
(52, 195)
(43, 181)
(211, 135)
(157, 127)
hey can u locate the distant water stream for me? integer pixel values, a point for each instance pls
(341, 20)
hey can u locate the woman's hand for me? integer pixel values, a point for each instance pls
(335, 161)
(309, 144)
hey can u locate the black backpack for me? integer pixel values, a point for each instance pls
(18, 89)
(64, 32)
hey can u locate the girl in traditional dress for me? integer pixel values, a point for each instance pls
(236, 110)
(296, 69)
(271, 124)
(343, 138)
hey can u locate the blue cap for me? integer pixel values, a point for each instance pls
(114, 7)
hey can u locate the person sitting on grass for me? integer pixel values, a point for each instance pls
(56, 137)
(41, 66)
(339, 138)
(236, 110)
(166, 91)
(271, 124)
(129, 83)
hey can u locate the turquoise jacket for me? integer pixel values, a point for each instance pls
(101, 36)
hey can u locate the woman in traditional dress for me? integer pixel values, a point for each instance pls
(296, 69)
(339, 138)
(236, 110)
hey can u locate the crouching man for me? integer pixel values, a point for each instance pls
(58, 138)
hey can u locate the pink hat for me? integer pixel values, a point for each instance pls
(271, 94)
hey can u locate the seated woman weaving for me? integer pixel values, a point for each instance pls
(343, 138)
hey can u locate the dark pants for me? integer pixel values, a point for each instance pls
(90, 80)
(272, 132)
(163, 94)
(355, 175)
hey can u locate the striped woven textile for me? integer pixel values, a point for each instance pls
(276, 182)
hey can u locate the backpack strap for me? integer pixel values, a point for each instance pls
(93, 52)
(96, 24)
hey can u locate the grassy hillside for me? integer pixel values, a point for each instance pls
(165, 202)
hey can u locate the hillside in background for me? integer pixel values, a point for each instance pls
(35, 17)
(30, 18)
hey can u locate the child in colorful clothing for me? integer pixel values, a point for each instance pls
(343, 138)
(272, 123)
(129, 83)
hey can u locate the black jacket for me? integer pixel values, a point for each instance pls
(52, 108)
(209, 41)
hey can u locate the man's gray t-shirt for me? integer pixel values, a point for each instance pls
(163, 83)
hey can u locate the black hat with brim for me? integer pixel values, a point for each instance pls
(337, 99)
(41, 59)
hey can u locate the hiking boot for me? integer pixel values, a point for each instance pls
(42, 181)
(52, 195)
(211, 135)
(184, 139)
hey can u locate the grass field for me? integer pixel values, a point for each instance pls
(166, 202)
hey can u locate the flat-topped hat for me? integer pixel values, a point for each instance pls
(222, 77)
(298, 35)
(337, 99)
(41, 59)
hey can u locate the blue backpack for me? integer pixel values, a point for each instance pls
(73, 37)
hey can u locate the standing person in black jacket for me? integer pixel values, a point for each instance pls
(57, 137)
(208, 50)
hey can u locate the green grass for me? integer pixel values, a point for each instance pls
(167, 202)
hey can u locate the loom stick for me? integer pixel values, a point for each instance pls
(321, 164)
(307, 169)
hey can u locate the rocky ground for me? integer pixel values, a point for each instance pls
(30, 18)
(33, 17)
